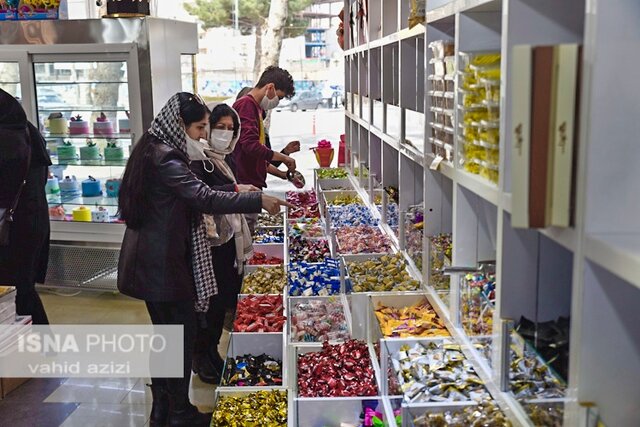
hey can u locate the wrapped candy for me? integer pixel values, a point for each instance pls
(308, 250)
(418, 320)
(302, 198)
(345, 199)
(264, 280)
(332, 173)
(318, 321)
(436, 372)
(531, 378)
(545, 415)
(350, 215)
(440, 256)
(252, 371)
(341, 370)
(311, 211)
(486, 413)
(259, 313)
(314, 279)
(387, 273)
(477, 295)
(260, 258)
(267, 220)
(307, 227)
(262, 408)
(362, 239)
(265, 235)
(414, 232)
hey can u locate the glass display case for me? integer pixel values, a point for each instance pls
(10, 78)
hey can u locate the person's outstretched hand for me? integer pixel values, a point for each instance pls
(272, 204)
(292, 147)
(245, 188)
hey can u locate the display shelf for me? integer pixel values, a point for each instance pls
(68, 83)
(90, 109)
(618, 253)
(101, 162)
(479, 186)
(56, 199)
(88, 135)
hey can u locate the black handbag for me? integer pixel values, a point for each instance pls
(6, 217)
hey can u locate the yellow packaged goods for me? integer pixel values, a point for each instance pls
(418, 320)
(264, 280)
(387, 273)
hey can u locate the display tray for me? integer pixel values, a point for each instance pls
(115, 135)
(102, 162)
(57, 199)
(298, 317)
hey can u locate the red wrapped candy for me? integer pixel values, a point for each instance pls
(342, 370)
(259, 313)
(260, 258)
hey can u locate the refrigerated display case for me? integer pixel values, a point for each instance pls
(92, 87)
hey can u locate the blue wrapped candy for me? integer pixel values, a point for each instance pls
(314, 279)
(351, 215)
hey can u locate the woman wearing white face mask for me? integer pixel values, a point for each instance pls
(229, 235)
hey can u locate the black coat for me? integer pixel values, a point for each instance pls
(224, 256)
(155, 260)
(24, 261)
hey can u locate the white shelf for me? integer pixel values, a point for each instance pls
(618, 253)
(93, 232)
(479, 186)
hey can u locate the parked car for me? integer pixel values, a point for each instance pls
(304, 100)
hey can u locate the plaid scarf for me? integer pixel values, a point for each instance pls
(166, 126)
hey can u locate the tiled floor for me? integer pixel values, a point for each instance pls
(92, 402)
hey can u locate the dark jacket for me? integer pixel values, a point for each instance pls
(24, 261)
(155, 260)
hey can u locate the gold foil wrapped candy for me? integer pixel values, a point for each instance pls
(259, 409)
(485, 414)
(387, 273)
(264, 280)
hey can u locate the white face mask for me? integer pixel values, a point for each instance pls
(269, 103)
(195, 148)
(220, 139)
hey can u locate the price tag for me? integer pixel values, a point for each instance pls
(435, 164)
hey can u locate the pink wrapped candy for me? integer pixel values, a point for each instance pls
(362, 239)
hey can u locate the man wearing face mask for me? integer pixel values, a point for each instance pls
(251, 155)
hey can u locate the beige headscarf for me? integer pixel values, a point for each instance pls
(221, 228)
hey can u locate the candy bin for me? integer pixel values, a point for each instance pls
(414, 226)
(440, 251)
(267, 254)
(315, 279)
(484, 413)
(268, 235)
(477, 295)
(268, 220)
(362, 239)
(318, 319)
(308, 228)
(259, 314)
(255, 360)
(264, 280)
(236, 408)
(308, 250)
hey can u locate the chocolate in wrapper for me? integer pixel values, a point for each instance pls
(387, 273)
(307, 279)
(436, 372)
(305, 212)
(260, 258)
(530, 378)
(265, 236)
(345, 199)
(259, 313)
(362, 239)
(332, 173)
(319, 320)
(264, 280)
(306, 227)
(547, 415)
(341, 370)
(440, 257)
(268, 220)
(302, 198)
(350, 215)
(418, 320)
(485, 414)
(413, 233)
(262, 408)
(249, 370)
(306, 250)
(477, 294)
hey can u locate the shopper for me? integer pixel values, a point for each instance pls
(165, 258)
(23, 160)
(229, 237)
(288, 150)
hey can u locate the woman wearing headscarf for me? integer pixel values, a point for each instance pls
(165, 258)
(23, 160)
(229, 236)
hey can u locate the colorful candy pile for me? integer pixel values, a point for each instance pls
(311, 211)
(264, 280)
(306, 227)
(267, 235)
(314, 279)
(260, 258)
(318, 321)
(253, 371)
(345, 199)
(418, 320)
(259, 313)
(262, 408)
(436, 372)
(308, 250)
(387, 273)
(342, 370)
(362, 239)
(302, 198)
(332, 173)
(476, 296)
(350, 215)
(267, 220)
